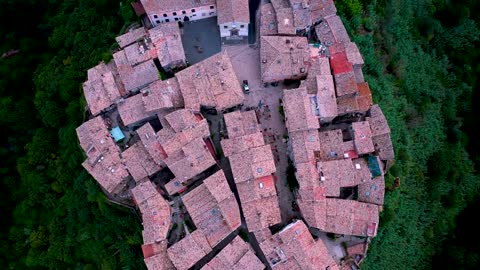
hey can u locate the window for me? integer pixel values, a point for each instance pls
(176, 19)
(242, 26)
(225, 26)
(164, 15)
(174, 14)
(184, 12)
(167, 20)
(157, 21)
(212, 7)
(193, 10)
(155, 16)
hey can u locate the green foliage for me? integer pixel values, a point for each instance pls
(59, 218)
(411, 61)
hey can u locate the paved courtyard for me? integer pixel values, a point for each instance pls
(266, 100)
(201, 39)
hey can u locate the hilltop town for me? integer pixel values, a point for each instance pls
(252, 145)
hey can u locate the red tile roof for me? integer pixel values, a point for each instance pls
(336, 174)
(213, 208)
(295, 248)
(135, 76)
(241, 123)
(138, 162)
(103, 155)
(236, 255)
(378, 122)
(162, 95)
(332, 31)
(167, 40)
(243, 143)
(284, 58)
(132, 111)
(347, 104)
(155, 212)
(372, 191)
(150, 142)
(364, 97)
(188, 251)
(131, 36)
(103, 87)
(254, 163)
(362, 137)
(302, 111)
(327, 101)
(211, 83)
(233, 11)
(268, 21)
(158, 259)
(340, 63)
(304, 144)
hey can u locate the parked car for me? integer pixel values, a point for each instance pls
(246, 88)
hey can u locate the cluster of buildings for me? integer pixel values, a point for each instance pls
(233, 16)
(141, 125)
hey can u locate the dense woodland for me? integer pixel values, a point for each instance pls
(422, 63)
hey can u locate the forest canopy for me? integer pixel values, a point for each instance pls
(421, 61)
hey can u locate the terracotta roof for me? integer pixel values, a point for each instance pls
(254, 163)
(95, 139)
(109, 172)
(278, 4)
(327, 102)
(364, 98)
(362, 137)
(332, 31)
(284, 58)
(331, 144)
(161, 95)
(152, 145)
(236, 255)
(320, 9)
(384, 147)
(358, 74)
(167, 40)
(233, 11)
(260, 214)
(135, 76)
(103, 155)
(131, 36)
(268, 21)
(304, 144)
(241, 123)
(347, 104)
(372, 191)
(351, 217)
(182, 120)
(345, 84)
(103, 87)
(188, 251)
(192, 159)
(259, 203)
(160, 260)
(302, 111)
(340, 64)
(155, 211)
(353, 54)
(213, 208)
(132, 110)
(285, 21)
(161, 6)
(138, 162)
(335, 174)
(240, 144)
(211, 83)
(294, 248)
(378, 122)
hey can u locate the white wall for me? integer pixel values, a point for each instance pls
(200, 13)
(227, 27)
